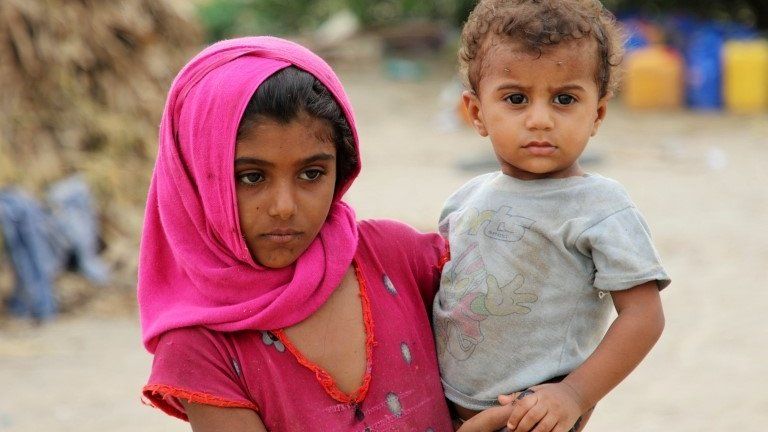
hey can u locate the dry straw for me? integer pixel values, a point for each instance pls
(83, 86)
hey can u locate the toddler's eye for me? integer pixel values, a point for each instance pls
(564, 99)
(516, 99)
(312, 174)
(250, 178)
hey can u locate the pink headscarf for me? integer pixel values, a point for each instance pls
(194, 265)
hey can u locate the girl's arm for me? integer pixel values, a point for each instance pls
(633, 333)
(208, 418)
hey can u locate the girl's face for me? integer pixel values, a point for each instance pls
(285, 176)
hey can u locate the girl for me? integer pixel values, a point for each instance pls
(265, 304)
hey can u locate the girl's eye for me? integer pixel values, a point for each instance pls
(250, 178)
(312, 174)
(516, 99)
(564, 99)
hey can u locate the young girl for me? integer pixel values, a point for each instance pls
(266, 305)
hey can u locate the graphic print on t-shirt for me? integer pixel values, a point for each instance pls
(469, 291)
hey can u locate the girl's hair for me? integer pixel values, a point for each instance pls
(291, 92)
(539, 24)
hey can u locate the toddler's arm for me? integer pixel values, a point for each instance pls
(556, 407)
(208, 418)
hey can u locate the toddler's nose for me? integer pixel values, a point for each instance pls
(539, 117)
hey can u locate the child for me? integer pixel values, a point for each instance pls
(541, 250)
(266, 305)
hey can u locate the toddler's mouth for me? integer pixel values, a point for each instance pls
(540, 148)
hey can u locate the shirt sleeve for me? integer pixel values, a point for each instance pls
(196, 365)
(622, 252)
(431, 253)
(422, 254)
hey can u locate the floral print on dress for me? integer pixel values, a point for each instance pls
(393, 403)
(389, 285)
(269, 338)
(406, 351)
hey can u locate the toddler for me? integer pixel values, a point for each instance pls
(541, 251)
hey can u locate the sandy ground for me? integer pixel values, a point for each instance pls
(699, 178)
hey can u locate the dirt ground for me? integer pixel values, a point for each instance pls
(699, 178)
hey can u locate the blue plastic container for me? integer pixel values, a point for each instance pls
(704, 71)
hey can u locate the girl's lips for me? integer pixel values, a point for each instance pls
(281, 236)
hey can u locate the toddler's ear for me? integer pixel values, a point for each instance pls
(472, 105)
(602, 109)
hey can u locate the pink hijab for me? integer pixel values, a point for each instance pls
(194, 265)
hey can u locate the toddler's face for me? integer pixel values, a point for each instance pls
(538, 110)
(285, 176)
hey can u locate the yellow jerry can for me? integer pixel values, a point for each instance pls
(745, 75)
(654, 79)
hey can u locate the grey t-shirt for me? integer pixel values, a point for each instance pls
(523, 297)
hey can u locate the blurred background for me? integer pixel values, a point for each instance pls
(83, 86)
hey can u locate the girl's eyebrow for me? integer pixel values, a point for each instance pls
(255, 161)
(252, 161)
(317, 158)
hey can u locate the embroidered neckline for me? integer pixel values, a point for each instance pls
(324, 378)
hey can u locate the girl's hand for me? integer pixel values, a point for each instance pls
(489, 420)
(548, 407)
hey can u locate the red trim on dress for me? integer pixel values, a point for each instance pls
(445, 257)
(325, 379)
(152, 391)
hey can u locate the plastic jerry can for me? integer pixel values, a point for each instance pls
(745, 75)
(654, 78)
(704, 69)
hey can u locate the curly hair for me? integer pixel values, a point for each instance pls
(539, 24)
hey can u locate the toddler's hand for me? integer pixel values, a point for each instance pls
(543, 408)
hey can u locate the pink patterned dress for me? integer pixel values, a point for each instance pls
(398, 270)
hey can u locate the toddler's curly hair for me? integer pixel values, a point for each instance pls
(539, 24)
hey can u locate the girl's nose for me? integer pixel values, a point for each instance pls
(539, 117)
(283, 205)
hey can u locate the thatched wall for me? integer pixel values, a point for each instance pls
(82, 87)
